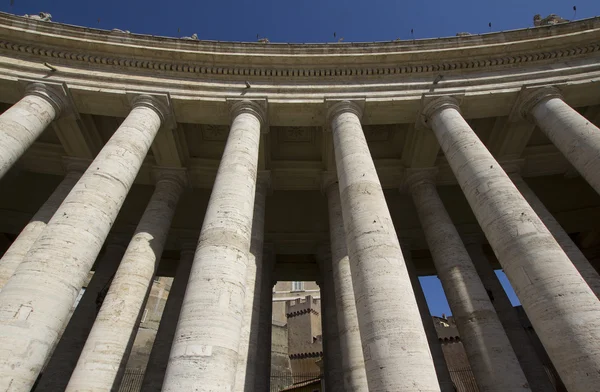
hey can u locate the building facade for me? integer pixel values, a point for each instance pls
(231, 166)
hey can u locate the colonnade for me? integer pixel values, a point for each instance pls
(217, 333)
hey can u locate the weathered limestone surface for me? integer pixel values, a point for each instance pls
(490, 354)
(352, 359)
(207, 339)
(25, 121)
(556, 298)
(262, 376)
(159, 356)
(587, 271)
(574, 135)
(441, 367)
(395, 347)
(244, 379)
(530, 363)
(332, 355)
(102, 361)
(20, 246)
(36, 301)
(64, 358)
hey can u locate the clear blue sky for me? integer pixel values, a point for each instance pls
(309, 21)
(302, 20)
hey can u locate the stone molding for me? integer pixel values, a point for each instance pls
(530, 96)
(335, 107)
(174, 175)
(76, 165)
(513, 167)
(257, 107)
(415, 177)
(159, 102)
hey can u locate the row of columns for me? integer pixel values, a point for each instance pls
(228, 283)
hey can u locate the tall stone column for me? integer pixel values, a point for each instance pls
(530, 363)
(397, 356)
(262, 378)
(494, 363)
(441, 367)
(332, 356)
(244, 379)
(574, 135)
(102, 361)
(37, 300)
(352, 359)
(25, 121)
(587, 271)
(64, 358)
(20, 246)
(207, 339)
(556, 298)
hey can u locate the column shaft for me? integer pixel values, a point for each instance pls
(159, 356)
(24, 122)
(262, 379)
(555, 297)
(207, 339)
(530, 363)
(352, 359)
(332, 360)
(441, 367)
(20, 246)
(64, 359)
(102, 361)
(494, 363)
(587, 271)
(244, 379)
(36, 301)
(574, 135)
(397, 356)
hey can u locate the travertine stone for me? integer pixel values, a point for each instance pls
(587, 271)
(574, 135)
(36, 301)
(530, 363)
(207, 339)
(395, 347)
(107, 348)
(332, 356)
(262, 378)
(25, 121)
(244, 379)
(352, 360)
(159, 356)
(18, 249)
(556, 298)
(441, 367)
(64, 358)
(494, 363)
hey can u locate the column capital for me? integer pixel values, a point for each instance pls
(257, 107)
(473, 239)
(513, 167)
(413, 177)
(175, 175)
(56, 93)
(530, 96)
(431, 104)
(335, 107)
(187, 247)
(75, 165)
(159, 102)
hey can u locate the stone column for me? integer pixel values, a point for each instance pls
(263, 352)
(587, 271)
(102, 361)
(332, 356)
(352, 359)
(557, 300)
(574, 135)
(37, 300)
(18, 249)
(530, 363)
(25, 121)
(64, 358)
(207, 339)
(244, 379)
(494, 363)
(159, 356)
(441, 367)
(395, 348)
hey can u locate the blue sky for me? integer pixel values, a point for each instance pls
(302, 20)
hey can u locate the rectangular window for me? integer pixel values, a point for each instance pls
(297, 286)
(144, 315)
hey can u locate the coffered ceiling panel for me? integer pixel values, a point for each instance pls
(296, 143)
